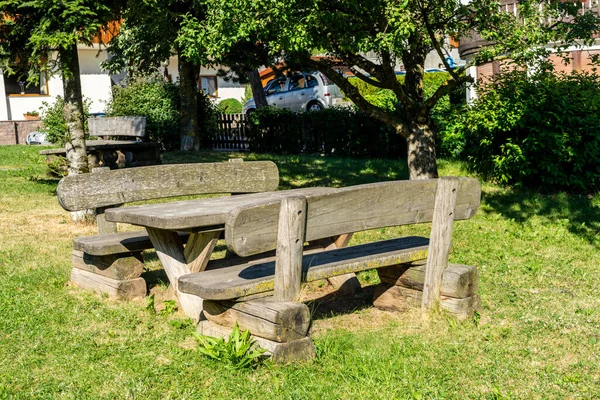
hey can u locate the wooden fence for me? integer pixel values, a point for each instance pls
(231, 133)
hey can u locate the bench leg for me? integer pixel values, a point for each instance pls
(172, 255)
(288, 352)
(347, 284)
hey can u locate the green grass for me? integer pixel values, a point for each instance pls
(538, 335)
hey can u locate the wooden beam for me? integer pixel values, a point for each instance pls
(169, 250)
(290, 245)
(440, 240)
(115, 289)
(281, 321)
(198, 249)
(118, 266)
(294, 351)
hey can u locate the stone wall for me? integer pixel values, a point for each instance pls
(14, 132)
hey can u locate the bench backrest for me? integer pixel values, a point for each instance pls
(115, 187)
(117, 126)
(253, 229)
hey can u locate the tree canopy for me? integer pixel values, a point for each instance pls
(397, 32)
(42, 36)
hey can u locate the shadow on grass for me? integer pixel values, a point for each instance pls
(298, 171)
(339, 304)
(579, 213)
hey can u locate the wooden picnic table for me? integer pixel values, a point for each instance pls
(204, 219)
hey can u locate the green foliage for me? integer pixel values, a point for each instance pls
(230, 106)
(339, 131)
(239, 351)
(53, 120)
(247, 94)
(155, 99)
(538, 131)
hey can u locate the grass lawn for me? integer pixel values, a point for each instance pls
(538, 335)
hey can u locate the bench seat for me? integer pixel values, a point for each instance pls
(253, 279)
(117, 243)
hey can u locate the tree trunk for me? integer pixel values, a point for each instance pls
(422, 162)
(258, 92)
(188, 78)
(73, 111)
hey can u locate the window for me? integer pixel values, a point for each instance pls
(276, 86)
(311, 81)
(209, 85)
(17, 84)
(297, 82)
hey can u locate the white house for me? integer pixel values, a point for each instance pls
(96, 86)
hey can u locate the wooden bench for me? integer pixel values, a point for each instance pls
(111, 153)
(111, 262)
(262, 296)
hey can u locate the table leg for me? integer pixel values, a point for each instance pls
(172, 255)
(347, 283)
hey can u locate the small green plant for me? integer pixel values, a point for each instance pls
(32, 113)
(170, 307)
(239, 351)
(53, 121)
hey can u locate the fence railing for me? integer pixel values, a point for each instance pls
(231, 133)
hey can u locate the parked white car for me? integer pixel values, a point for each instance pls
(304, 91)
(37, 138)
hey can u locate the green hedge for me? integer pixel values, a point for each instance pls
(230, 106)
(538, 131)
(339, 131)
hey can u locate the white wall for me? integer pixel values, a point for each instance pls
(225, 90)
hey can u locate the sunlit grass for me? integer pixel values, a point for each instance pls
(538, 335)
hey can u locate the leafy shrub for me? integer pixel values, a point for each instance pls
(341, 131)
(537, 131)
(230, 106)
(239, 351)
(53, 121)
(155, 99)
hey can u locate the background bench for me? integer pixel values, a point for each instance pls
(111, 262)
(111, 153)
(414, 270)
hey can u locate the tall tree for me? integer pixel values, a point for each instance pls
(404, 32)
(147, 38)
(41, 36)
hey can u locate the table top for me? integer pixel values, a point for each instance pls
(188, 215)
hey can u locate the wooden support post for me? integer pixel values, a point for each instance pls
(440, 240)
(347, 283)
(169, 249)
(198, 249)
(104, 226)
(290, 245)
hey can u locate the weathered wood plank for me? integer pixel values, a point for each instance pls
(117, 243)
(84, 191)
(440, 240)
(290, 244)
(398, 298)
(115, 289)
(273, 320)
(119, 267)
(347, 284)
(198, 249)
(290, 352)
(458, 280)
(245, 280)
(169, 250)
(191, 214)
(252, 228)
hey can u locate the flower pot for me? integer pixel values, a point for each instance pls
(29, 117)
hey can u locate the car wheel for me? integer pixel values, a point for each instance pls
(314, 106)
(250, 111)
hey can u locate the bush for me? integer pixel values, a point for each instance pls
(230, 106)
(155, 99)
(341, 131)
(537, 131)
(53, 121)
